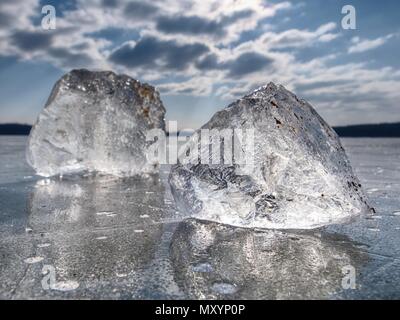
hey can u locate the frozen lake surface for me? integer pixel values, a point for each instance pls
(108, 238)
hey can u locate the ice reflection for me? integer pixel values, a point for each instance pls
(216, 261)
(99, 231)
(109, 236)
(76, 202)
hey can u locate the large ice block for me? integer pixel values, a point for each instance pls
(295, 175)
(96, 121)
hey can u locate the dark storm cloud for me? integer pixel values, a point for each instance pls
(209, 62)
(199, 25)
(248, 63)
(140, 10)
(109, 3)
(150, 51)
(67, 59)
(189, 25)
(5, 19)
(30, 41)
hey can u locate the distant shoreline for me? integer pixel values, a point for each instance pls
(14, 129)
(379, 130)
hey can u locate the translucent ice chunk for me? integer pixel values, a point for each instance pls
(297, 174)
(95, 121)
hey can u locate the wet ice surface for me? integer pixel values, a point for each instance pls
(107, 238)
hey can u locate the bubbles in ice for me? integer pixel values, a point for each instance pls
(106, 213)
(67, 285)
(32, 260)
(224, 288)
(44, 245)
(202, 267)
(121, 275)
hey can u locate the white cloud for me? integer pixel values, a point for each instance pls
(327, 37)
(293, 38)
(365, 45)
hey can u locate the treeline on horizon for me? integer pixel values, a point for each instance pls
(355, 131)
(379, 130)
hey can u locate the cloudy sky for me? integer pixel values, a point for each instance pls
(203, 54)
